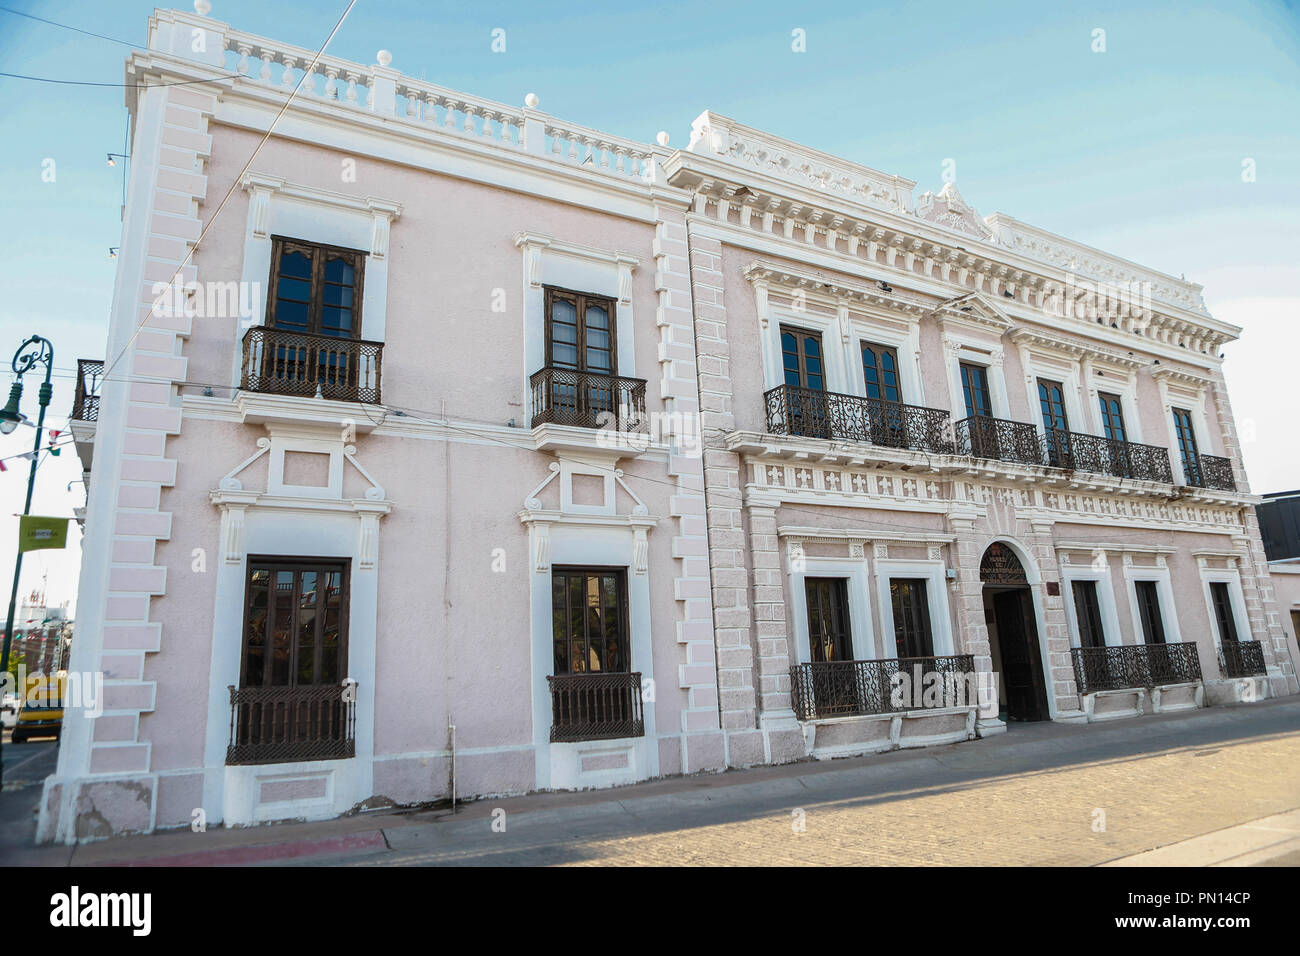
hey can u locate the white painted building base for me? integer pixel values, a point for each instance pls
(856, 736)
(1237, 690)
(1134, 702)
(593, 764)
(309, 790)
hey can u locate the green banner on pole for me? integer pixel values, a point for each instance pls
(36, 533)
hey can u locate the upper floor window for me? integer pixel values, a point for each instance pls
(801, 358)
(1112, 416)
(580, 332)
(1051, 397)
(1186, 439)
(975, 390)
(880, 371)
(315, 289)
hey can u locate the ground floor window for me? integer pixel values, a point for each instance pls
(295, 623)
(911, 617)
(594, 692)
(1148, 601)
(292, 702)
(1227, 624)
(589, 614)
(828, 619)
(1087, 611)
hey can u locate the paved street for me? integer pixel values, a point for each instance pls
(1042, 794)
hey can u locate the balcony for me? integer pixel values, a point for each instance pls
(855, 688)
(595, 706)
(323, 366)
(1242, 659)
(1076, 451)
(1135, 665)
(999, 440)
(283, 724)
(588, 400)
(815, 414)
(85, 401)
(1209, 471)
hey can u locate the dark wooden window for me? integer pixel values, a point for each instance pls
(911, 617)
(880, 371)
(1186, 436)
(828, 619)
(589, 620)
(1088, 613)
(801, 358)
(580, 332)
(1051, 397)
(1223, 612)
(295, 623)
(1148, 600)
(315, 289)
(975, 390)
(1112, 416)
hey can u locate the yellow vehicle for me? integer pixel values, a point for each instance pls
(42, 711)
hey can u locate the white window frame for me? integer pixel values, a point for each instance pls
(861, 632)
(1111, 634)
(1125, 387)
(313, 215)
(1067, 372)
(936, 591)
(1230, 576)
(827, 326)
(973, 351)
(568, 265)
(911, 384)
(1164, 590)
(1191, 397)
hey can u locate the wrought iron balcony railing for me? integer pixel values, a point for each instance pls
(1106, 456)
(1242, 659)
(283, 724)
(588, 400)
(848, 688)
(85, 402)
(1135, 665)
(816, 414)
(297, 363)
(998, 439)
(595, 706)
(1209, 471)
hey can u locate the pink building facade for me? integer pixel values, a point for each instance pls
(444, 449)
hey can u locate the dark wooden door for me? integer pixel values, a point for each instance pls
(1022, 669)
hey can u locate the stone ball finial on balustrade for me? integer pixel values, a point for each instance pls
(202, 7)
(384, 57)
(661, 138)
(531, 101)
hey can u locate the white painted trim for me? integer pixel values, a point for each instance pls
(1230, 576)
(1070, 573)
(936, 591)
(1165, 593)
(590, 543)
(854, 570)
(972, 350)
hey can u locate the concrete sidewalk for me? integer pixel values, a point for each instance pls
(1024, 797)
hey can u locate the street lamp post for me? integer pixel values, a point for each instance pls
(35, 351)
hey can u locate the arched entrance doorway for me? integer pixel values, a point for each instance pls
(1013, 635)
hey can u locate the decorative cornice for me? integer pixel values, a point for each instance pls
(1050, 342)
(832, 291)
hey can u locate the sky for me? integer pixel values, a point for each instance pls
(1138, 148)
